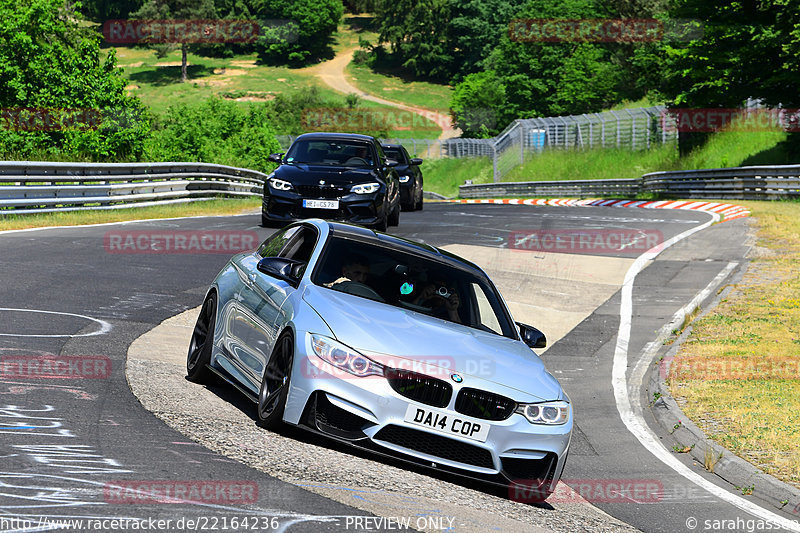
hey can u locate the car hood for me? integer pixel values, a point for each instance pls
(303, 174)
(409, 340)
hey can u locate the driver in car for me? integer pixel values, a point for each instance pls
(361, 153)
(356, 268)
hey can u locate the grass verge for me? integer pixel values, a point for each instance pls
(222, 206)
(392, 87)
(738, 375)
(445, 175)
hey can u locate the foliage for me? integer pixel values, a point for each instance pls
(102, 10)
(478, 104)
(175, 10)
(417, 33)
(746, 50)
(475, 29)
(360, 6)
(216, 131)
(305, 30)
(50, 64)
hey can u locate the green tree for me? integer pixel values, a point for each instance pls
(76, 100)
(102, 10)
(478, 105)
(748, 49)
(176, 10)
(556, 78)
(297, 30)
(474, 30)
(417, 32)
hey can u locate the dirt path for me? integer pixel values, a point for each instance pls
(332, 73)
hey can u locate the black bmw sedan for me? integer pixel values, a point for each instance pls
(334, 176)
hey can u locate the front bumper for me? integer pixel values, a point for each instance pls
(369, 413)
(287, 206)
(407, 192)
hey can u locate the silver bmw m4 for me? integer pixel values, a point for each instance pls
(386, 344)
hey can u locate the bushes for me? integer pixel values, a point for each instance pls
(216, 131)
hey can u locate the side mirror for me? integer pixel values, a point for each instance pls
(391, 163)
(288, 270)
(276, 158)
(416, 161)
(532, 336)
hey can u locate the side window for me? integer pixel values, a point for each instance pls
(486, 319)
(272, 246)
(381, 155)
(301, 244)
(405, 156)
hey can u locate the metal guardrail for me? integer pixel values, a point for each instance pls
(740, 183)
(40, 187)
(578, 188)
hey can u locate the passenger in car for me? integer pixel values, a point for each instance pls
(442, 300)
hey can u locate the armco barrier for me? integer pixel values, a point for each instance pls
(740, 183)
(578, 188)
(36, 187)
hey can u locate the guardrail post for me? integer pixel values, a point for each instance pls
(495, 175)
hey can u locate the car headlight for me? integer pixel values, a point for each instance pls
(344, 357)
(404, 179)
(547, 413)
(365, 188)
(280, 185)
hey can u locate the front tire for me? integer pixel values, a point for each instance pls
(202, 342)
(394, 218)
(275, 383)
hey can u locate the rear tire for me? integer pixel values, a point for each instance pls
(202, 342)
(275, 383)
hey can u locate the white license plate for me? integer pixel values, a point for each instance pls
(321, 204)
(447, 423)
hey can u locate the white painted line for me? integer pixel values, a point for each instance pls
(105, 327)
(634, 420)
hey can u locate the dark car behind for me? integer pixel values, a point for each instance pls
(411, 186)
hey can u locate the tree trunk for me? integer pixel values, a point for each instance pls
(183, 61)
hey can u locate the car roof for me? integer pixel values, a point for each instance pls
(398, 243)
(334, 136)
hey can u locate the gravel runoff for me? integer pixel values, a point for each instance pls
(214, 417)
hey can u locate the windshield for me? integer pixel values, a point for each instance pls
(413, 283)
(335, 153)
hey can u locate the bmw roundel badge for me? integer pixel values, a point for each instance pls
(456, 378)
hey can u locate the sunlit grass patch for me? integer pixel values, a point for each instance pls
(79, 218)
(738, 375)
